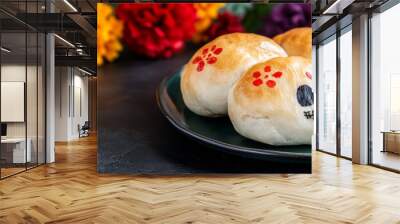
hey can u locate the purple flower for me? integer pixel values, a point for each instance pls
(284, 17)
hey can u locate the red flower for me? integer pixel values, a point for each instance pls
(225, 23)
(258, 79)
(157, 30)
(208, 56)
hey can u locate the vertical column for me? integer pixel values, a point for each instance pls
(338, 91)
(62, 103)
(92, 99)
(316, 97)
(50, 92)
(314, 73)
(360, 90)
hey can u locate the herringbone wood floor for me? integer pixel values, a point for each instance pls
(70, 191)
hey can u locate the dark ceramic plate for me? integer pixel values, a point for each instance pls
(219, 132)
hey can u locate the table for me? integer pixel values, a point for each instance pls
(19, 155)
(134, 137)
(391, 141)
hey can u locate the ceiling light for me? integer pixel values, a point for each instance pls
(84, 71)
(326, 11)
(64, 40)
(79, 51)
(5, 50)
(337, 7)
(70, 5)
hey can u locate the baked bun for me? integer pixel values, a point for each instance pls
(215, 67)
(296, 42)
(273, 102)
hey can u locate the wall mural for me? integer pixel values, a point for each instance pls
(204, 88)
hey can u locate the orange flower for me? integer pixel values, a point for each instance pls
(109, 31)
(206, 13)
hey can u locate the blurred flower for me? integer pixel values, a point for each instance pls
(226, 23)
(238, 9)
(206, 13)
(157, 30)
(284, 17)
(109, 31)
(253, 20)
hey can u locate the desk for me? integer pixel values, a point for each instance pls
(391, 141)
(17, 150)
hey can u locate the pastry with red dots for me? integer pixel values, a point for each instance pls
(296, 42)
(273, 102)
(215, 67)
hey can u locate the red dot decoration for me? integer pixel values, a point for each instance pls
(257, 82)
(217, 51)
(207, 56)
(197, 60)
(256, 74)
(277, 74)
(270, 82)
(200, 66)
(212, 60)
(309, 75)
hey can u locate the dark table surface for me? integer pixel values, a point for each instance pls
(134, 137)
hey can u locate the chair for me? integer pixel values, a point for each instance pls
(84, 130)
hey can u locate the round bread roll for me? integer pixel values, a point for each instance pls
(296, 42)
(215, 67)
(273, 102)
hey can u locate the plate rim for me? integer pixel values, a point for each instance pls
(213, 142)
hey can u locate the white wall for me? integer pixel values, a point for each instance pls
(71, 87)
(15, 72)
(80, 110)
(62, 81)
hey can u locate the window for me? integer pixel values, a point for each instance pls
(22, 77)
(327, 95)
(346, 95)
(385, 89)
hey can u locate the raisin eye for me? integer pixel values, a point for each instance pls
(305, 96)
